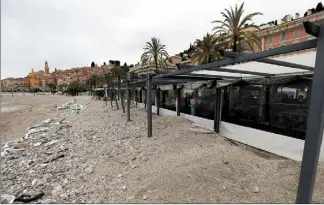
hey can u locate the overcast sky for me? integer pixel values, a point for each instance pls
(70, 33)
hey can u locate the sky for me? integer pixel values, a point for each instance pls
(72, 33)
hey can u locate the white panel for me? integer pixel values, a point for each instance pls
(278, 144)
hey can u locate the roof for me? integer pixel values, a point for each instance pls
(304, 58)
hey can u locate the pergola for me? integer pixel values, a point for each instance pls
(243, 66)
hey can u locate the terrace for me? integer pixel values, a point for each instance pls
(267, 73)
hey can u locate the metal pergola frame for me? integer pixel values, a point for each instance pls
(315, 125)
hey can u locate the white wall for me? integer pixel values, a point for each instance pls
(281, 145)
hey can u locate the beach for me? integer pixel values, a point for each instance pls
(94, 155)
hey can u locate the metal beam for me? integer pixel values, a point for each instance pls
(229, 70)
(314, 131)
(149, 105)
(271, 61)
(277, 51)
(202, 76)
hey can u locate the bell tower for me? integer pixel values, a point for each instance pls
(46, 68)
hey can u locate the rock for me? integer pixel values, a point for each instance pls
(57, 190)
(119, 176)
(124, 188)
(37, 144)
(89, 170)
(134, 166)
(7, 199)
(224, 187)
(145, 197)
(225, 161)
(35, 182)
(134, 158)
(145, 158)
(256, 189)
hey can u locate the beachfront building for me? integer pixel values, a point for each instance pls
(286, 31)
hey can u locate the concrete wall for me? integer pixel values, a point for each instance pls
(281, 145)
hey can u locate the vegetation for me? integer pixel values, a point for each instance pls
(154, 50)
(233, 29)
(208, 49)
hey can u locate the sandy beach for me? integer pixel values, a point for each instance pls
(105, 159)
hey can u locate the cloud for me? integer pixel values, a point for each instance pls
(69, 33)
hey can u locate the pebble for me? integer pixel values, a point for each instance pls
(124, 188)
(119, 176)
(256, 189)
(145, 197)
(226, 162)
(57, 190)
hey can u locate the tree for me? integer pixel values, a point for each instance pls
(319, 7)
(232, 28)
(52, 88)
(74, 88)
(93, 64)
(154, 50)
(208, 49)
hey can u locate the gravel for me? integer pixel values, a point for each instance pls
(99, 157)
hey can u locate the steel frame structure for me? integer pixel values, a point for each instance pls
(315, 125)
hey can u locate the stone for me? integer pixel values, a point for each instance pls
(37, 144)
(145, 197)
(134, 166)
(57, 190)
(225, 161)
(256, 189)
(119, 176)
(7, 199)
(124, 188)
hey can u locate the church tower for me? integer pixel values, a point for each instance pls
(46, 68)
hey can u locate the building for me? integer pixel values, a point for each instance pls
(41, 79)
(289, 30)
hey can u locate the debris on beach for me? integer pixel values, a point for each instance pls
(72, 105)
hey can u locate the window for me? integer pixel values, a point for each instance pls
(284, 36)
(296, 32)
(270, 39)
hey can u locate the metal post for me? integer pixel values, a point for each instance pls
(157, 101)
(178, 94)
(128, 100)
(314, 131)
(215, 108)
(149, 105)
(136, 97)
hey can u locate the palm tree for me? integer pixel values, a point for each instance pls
(208, 49)
(154, 50)
(234, 27)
